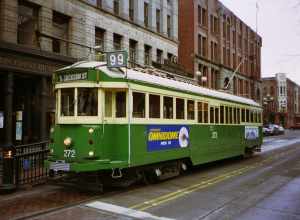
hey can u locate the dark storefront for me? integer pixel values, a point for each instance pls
(26, 99)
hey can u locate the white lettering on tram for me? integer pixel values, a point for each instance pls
(72, 77)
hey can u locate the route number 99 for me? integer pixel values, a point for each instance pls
(117, 59)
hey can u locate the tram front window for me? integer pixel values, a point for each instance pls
(87, 101)
(67, 102)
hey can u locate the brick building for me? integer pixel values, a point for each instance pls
(214, 42)
(38, 37)
(281, 101)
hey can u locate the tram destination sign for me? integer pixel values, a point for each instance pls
(116, 59)
(72, 77)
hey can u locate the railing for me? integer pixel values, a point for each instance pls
(24, 164)
(29, 162)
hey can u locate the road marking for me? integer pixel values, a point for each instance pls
(204, 184)
(189, 189)
(124, 211)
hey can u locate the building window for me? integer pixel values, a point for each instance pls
(116, 7)
(202, 16)
(60, 30)
(159, 56)
(133, 52)
(131, 10)
(99, 37)
(154, 106)
(169, 25)
(146, 14)
(202, 46)
(55, 46)
(168, 107)
(147, 55)
(158, 20)
(99, 3)
(138, 105)
(27, 24)
(117, 40)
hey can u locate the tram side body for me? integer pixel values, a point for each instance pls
(207, 143)
(109, 143)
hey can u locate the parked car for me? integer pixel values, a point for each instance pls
(266, 131)
(273, 129)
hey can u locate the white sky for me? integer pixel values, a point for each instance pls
(279, 27)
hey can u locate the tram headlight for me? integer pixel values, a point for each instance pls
(51, 151)
(91, 130)
(91, 153)
(51, 130)
(67, 141)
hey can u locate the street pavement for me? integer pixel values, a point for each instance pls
(265, 186)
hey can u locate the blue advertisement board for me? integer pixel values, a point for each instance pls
(164, 137)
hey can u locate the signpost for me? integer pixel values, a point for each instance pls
(116, 59)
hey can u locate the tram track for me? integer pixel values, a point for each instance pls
(243, 167)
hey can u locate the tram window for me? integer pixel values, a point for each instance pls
(87, 101)
(108, 104)
(138, 110)
(190, 110)
(238, 116)
(247, 115)
(222, 114)
(168, 107)
(179, 108)
(120, 104)
(154, 106)
(243, 115)
(205, 110)
(234, 116)
(230, 115)
(212, 121)
(200, 112)
(260, 117)
(227, 115)
(217, 115)
(67, 102)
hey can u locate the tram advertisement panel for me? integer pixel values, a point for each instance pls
(163, 137)
(251, 132)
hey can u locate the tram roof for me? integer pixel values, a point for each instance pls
(136, 75)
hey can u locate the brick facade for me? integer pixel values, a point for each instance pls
(214, 41)
(281, 98)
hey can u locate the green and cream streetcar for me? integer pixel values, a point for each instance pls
(122, 121)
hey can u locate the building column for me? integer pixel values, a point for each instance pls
(43, 107)
(8, 110)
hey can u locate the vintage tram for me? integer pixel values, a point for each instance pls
(143, 122)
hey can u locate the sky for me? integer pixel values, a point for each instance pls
(279, 26)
